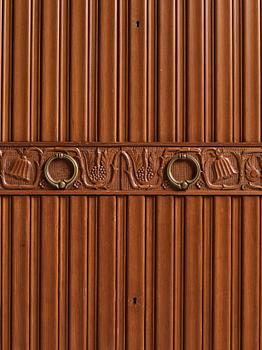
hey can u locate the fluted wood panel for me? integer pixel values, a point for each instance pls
(130, 71)
(130, 272)
(87, 277)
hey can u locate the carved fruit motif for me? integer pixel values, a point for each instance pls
(100, 168)
(145, 174)
(144, 167)
(98, 173)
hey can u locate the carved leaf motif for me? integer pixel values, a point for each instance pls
(252, 173)
(141, 168)
(144, 168)
(100, 168)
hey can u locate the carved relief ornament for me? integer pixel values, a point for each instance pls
(127, 169)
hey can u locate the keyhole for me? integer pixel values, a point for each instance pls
(134, 300)
(137, 24)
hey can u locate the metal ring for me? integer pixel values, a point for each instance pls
(184, 184)
(63, 183)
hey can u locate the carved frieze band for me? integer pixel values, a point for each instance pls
(134, 169)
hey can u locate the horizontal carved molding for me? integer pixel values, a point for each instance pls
(110, 169)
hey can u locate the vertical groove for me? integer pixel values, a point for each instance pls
(63, 278)
(6, 275)
(207, 272)
(78, 272)
(50, 70)
(137, 71)
(58, 76)
(181, 83)
(223, 68)
(222, 273)
(7, 70)
(1, 62)
(212, 211)
(260, 272)
(151, 71)
(79, 76)
(39, 73)
(20, 246)
(49, 273)
(250, 272)
(208, 70)
(106, 272)
(213, 60)
(1, 272)
(164, 272)
(240, 270)
(251, 71)
(195, 71)
(193, 249)
(21, 66)
(34, 274)
(29, 269)
(122, 71)
(63, 70)
(92, 82)
(58, 296)
(241, 70)
(120, 275)
(91, 274)
(135, 273)
(235, 288)
(107, 71)
(178, 272)
(35, 68)
(150, 273)
(182, 218)
(166, 74)
(10, 227)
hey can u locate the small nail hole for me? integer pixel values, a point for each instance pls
(137, 24)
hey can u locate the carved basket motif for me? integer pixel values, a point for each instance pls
(223, 168)
(21, 168)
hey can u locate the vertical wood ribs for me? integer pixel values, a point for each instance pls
(130, 272)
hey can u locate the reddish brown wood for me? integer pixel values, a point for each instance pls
(193, 273)
(130, 169)
(135, 269)
(222, 273)
(164, 284)
(77, 273)
(20, 250)
(49, 271)
(123, 265)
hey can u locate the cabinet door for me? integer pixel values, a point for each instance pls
(131, 174)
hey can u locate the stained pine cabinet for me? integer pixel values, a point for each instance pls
(131, 174)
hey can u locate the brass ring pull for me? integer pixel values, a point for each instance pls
(61, 183)
(184, 184)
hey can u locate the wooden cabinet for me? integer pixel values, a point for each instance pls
(105, 244)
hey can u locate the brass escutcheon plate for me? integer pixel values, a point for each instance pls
(61, 183)
(183, 184)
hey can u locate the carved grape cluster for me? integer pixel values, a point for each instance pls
(145, 174)
(98, 173)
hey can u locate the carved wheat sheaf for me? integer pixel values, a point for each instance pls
(132, 168)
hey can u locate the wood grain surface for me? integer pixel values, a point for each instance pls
(130, 272)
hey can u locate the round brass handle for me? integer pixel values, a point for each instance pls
(184, 184)
(61, 183)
